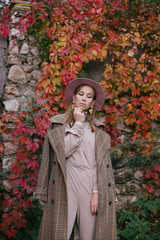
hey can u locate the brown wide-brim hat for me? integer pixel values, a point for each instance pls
(74, 84)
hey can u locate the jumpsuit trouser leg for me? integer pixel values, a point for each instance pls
(80, 206)
(86, 221)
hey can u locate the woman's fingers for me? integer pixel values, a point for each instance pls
(94, 210)
(78, 115)
(94, 204)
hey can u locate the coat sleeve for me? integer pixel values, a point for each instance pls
(73, 137)
(95, 187)
(43, 178)
(112, 174)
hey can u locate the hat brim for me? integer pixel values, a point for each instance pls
(74, 84)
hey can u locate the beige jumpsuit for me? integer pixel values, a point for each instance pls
(81, 178)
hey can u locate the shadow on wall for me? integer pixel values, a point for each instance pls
(3, 69)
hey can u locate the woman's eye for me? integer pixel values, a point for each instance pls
(89, 96)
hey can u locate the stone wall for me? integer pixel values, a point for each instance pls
(22, 64)
(129, 184)
(23, 72)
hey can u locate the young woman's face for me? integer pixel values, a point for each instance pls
(84, 98)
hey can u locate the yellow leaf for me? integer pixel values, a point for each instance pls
(77, 64)
(57, 81)
(44, 64)
(137, 34)
(103, 53)
(133, 24)
(143, 56)
(129, 107)
(94, 52)
(45, 83)
(62, 39)
(52, 90)
(119, 153)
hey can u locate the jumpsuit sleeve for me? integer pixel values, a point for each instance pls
(73, 137)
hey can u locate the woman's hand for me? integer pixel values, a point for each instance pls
(78, 115)
(94, 204)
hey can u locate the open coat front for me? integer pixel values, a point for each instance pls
(52, 189)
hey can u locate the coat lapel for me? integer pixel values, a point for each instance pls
(102, 145)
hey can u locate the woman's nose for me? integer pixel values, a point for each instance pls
(84, 98)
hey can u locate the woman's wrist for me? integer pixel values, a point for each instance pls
(95, 191)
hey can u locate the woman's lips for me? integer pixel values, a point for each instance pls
(82, 104)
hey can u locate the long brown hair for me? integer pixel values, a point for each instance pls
(89, 117)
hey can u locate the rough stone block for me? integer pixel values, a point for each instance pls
(24, 49)
(7, 161)
(6, 137)
(17, 75)
(9, 148)
(13, 60)
(11, 105)
(36, 74)
(3, 77)
(124, 176)
(13, 48)
(138, 175)
(27, 68)
(12, 91)
(35, 51)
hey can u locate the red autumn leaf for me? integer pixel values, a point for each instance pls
(18, 193)
(150, 188)
(28, 189)
(21, 223)
(35, 146)
(139, 112)
(34, 157)
(140, 122)
(33, 177)
(25, 203)
(32, 164)
(11, 233)
(158, 168)
(29, 144)
(23, 182)
(15, 214)
(22, 154)
(15, 168)
(31, 130)
(155, 175)
(1, 148)
(7, 218)
(158, 182)
(2, 226)
(135, 102)
(15, 182)
(7, 197)
(136, 92)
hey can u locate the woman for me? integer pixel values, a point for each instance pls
(76, 180)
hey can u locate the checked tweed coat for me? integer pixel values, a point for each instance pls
(52, 190)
